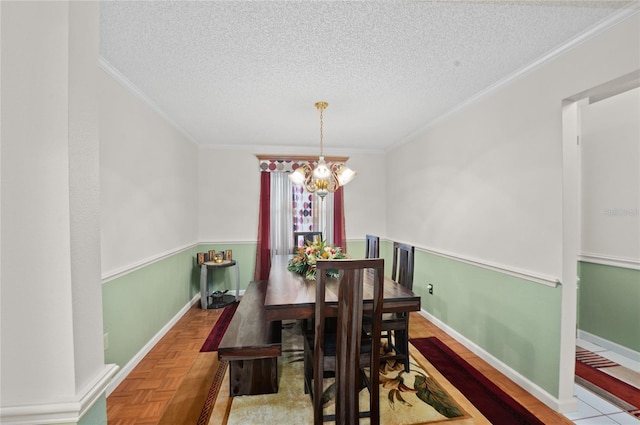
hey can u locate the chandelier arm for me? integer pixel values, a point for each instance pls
(335, 184)
(334, 177)
(309, 183)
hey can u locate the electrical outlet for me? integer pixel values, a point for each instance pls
(105, 340)
(430, 288)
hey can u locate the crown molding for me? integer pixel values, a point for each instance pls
(126, 83)
(291, 150)
(622, 15)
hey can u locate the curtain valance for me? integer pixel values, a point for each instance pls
(291, 163)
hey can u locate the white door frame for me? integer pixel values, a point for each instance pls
(570, 250)
(571, 225)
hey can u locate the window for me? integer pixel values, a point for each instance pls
(295, 209)
(276, 213)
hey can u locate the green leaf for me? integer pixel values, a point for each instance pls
(329, 394)
(431, 393)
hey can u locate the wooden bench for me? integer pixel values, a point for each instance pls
(252, 345)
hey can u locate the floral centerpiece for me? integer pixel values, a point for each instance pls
(304, 262)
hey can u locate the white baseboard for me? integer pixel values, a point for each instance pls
(126, 370)
(65, 411)
(609, 345)
(568, 405)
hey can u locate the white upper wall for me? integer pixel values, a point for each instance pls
(230, 191)
(486, 182)
(365, 196)
(149, 181)
(610, 158)
(51, 305)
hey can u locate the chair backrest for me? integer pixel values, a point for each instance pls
(353, 275)
(402, 269)
(301, 238)
(372, 247)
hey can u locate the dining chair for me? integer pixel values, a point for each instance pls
(372, 246)
(395, 326)
(301, 238)
(345, 350)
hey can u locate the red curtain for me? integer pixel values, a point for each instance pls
(263, 254)
(339, 237)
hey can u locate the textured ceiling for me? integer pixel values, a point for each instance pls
(249, 73)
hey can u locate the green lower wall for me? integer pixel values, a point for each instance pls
(97, 414)
(514, 320)
(609, 303)
(139, 304)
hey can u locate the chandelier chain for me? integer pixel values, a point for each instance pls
(321, 134)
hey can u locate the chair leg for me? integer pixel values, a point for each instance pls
(404, 343)
(400, 344)
(406, 351)
(308, 373)
(389, 338)
(374, 394)
(318, 414)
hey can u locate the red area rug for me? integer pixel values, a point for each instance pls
(496, 405)
(618, 392)
(218, 330)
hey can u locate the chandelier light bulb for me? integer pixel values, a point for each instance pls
(297, 177)
(345, 175)
(321, 171)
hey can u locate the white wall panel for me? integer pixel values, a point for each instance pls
(610, 157)
(229, 194)
(229, 190)
(51, 314)
(365, 196)
(149, 184)
(486, 182)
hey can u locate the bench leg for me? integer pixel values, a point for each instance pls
(250, 377)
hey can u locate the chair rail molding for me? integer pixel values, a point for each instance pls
(119, 272)
(500, 268)
(610, 260)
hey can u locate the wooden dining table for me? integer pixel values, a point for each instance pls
(291, 296)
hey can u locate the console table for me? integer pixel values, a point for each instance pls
(204, 290)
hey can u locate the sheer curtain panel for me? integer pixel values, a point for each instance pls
(282, 214)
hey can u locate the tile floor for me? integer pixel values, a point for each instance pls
(593, 410)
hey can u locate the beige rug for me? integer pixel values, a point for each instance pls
(403, 396)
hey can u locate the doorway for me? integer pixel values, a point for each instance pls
(594, 198)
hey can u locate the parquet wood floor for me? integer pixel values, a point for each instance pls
(143, 396)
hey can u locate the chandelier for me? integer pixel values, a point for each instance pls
(324, 178)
